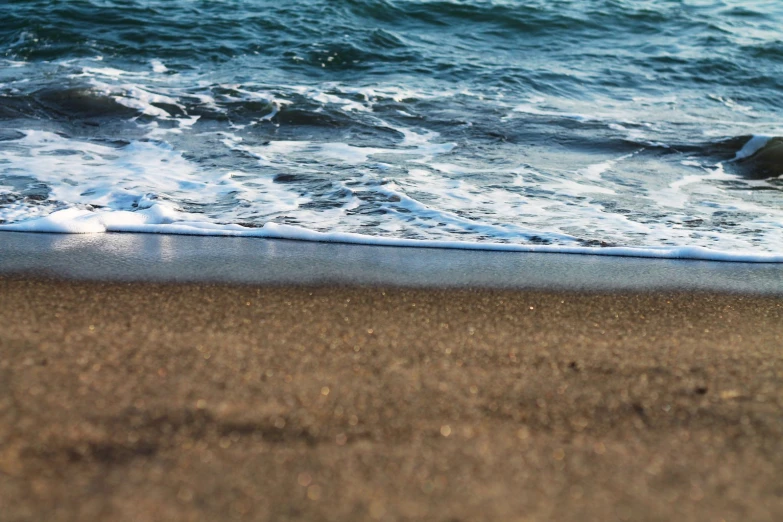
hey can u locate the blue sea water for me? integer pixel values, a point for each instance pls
(618, 125)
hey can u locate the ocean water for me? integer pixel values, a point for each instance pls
(608, 126)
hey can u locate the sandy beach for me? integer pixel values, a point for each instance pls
(391, 261)
(134, 401)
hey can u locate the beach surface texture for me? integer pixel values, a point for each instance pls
(141, 401)
(391, 260)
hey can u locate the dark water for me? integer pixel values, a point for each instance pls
(590, 122)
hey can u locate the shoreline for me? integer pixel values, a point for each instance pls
(177, 258)
(207, 401)
(74, 221)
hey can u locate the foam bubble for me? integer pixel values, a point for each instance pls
(158, 67)
(753, 145)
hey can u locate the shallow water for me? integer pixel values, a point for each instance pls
(562, 124)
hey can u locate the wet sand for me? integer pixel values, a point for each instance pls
(166, 258)
(207, 402)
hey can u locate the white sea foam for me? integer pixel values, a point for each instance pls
(158, 219)
(135, 97)
(122, 178)
(148, 186)
(754, 144)
(419, 189)
(594, 172)
(529, 109)
(456, 191)
(103, 71)
(288, 151)
(158, 67)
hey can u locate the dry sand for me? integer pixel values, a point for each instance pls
(197, 402)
